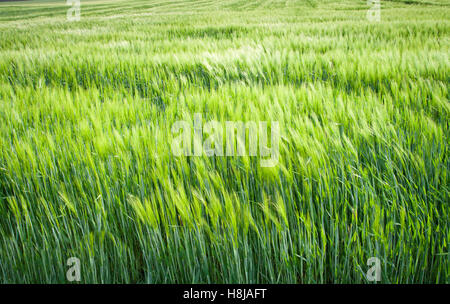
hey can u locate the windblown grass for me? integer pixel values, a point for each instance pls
(86, 168)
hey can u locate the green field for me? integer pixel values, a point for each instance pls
(87, 169)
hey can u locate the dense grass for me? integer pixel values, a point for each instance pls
(86, 169)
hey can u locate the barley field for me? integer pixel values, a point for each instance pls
(87, 170)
